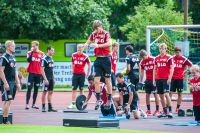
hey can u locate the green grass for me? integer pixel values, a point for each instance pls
(59, 129)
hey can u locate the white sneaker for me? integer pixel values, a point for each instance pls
(71, 106)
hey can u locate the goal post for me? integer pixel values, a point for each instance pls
(185, 36)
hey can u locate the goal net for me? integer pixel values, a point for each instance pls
(187, 37)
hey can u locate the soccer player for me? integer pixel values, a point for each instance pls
(101, 41)
(162, 76)
(9, 77)
(34, 57)
(132, 66)
(79, 60)
(48, 76)
(115, 47)
(91, 88)
(147, 65)
(195, 90)
(128, 96)
(180, 63)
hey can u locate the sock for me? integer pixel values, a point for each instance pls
(73, 102)
(49, 106)
(98, 96)
(5, 119)
(148, 107)
(165, 110)
(109, 96)
(43, 105)
(170, 108)
(178, 106)
(157, 107)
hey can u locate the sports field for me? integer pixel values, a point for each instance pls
(53, 122)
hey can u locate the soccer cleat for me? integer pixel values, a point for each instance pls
(162, 114)
(108, 105)
(98, 104)
(156, 113)
(35, 107)
(148, 112)
(170, 115)
(44, 109)
(52, 110)
(71, 106)
(143, 114)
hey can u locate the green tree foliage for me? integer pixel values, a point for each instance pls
(149, 14)
(50, 19)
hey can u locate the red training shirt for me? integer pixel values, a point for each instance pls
(114, 62)
(163, 64)
(35, 64)
(101, 38)
(148, 66)
(179, 66)
(195, 86)
(79, 61)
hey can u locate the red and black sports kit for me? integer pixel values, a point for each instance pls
(102, 64)
(34, 69)
(163, 64)
(180, 63)
(195, 89)
(79, 61)
(148, 66)
(114, 68)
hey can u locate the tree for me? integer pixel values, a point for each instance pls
(50, 19)
(147, 14)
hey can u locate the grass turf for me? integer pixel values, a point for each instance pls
(57, 129)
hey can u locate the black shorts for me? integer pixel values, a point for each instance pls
(113, 80)
(196, 110)
(78, 80)
(134, 80)
(49, 87)
(34, 78)
(176, 85)
(162, 86)
(149, 87)
(9, 95)
(134, 104)
(102, 65)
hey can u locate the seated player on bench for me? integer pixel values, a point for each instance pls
(103, 94)
(128, 98)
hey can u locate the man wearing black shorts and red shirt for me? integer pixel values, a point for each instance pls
(147, 65)
(48, 76)
(79, 60)
(132, 66)
(115, 47)
(34, 57)
(9, 77)
(162, 76)
(101, 41)
(180, 63)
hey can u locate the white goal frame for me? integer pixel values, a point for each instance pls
(151, 27)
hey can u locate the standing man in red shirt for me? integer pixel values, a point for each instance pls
(115, 47)
(102, 42)
(195, 90)
(180, 63)
(79, 60)
(147, 64)
(34, 57)
(162, 76)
